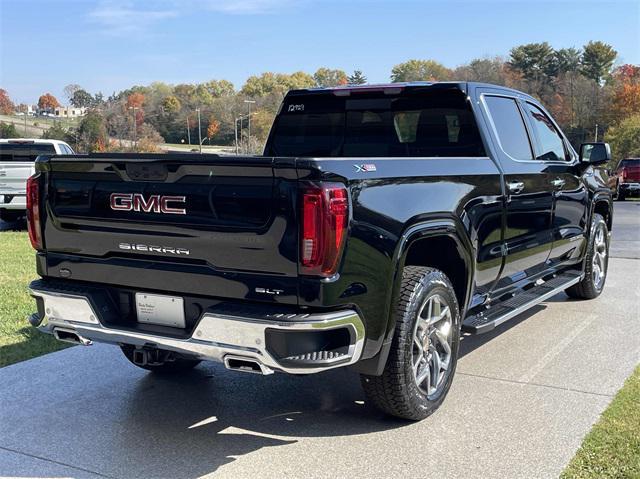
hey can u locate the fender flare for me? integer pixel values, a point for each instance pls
(431, 228)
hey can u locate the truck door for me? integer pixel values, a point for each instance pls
(528, 195)
(570, 212)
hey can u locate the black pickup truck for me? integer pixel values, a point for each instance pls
(380, 224)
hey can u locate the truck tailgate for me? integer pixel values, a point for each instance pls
(196, 224)
(13, 177)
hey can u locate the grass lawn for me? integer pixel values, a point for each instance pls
(18, 340)
(612, 448)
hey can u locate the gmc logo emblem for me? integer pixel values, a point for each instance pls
(153, 204)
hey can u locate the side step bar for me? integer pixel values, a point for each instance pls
(503, 311)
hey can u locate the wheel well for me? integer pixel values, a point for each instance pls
(441, 252)
(602, 208)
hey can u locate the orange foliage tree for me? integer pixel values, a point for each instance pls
(6, 105)
(48, 102)
(214, 128)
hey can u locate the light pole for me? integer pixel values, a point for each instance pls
(188, 131)
(135, 127)
(249, 102)
(235, 130)
(199, 131)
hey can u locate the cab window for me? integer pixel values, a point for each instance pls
(549, 141)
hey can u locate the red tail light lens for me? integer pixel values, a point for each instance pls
(624, 173)
(325, 216)
(33, 212)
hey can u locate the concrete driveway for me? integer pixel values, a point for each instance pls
(522, 400)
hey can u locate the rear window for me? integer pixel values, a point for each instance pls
(24, 152)
(438, 124)
(631, 162)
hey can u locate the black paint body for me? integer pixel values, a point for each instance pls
(242, 225)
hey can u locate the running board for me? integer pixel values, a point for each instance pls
(503, 311)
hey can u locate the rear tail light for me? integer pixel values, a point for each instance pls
(33, 212)
(624, 173)
(325, 216)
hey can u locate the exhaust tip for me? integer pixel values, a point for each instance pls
(246, 365)
(69, 336)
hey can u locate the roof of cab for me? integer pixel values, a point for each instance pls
(462, 85)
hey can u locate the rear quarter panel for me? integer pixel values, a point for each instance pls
(401, 193)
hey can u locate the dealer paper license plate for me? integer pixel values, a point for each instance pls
(160, 309)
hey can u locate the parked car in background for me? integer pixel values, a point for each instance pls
(17, 157)
(625, 180)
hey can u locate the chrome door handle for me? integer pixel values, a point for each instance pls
(515, 187)
(558, 182)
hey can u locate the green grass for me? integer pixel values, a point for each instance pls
(19, 340)
(612, 448)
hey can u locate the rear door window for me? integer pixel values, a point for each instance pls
(550, 144)
(510, 127)
(24, 151)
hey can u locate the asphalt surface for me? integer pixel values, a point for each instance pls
(522, 400)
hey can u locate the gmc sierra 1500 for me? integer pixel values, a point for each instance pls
(380, 223)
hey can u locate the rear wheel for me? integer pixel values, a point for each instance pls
(597, 262)
(424, 351)
(161, 362)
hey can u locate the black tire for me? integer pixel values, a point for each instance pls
(588, 288)
(621, 196)
(172, 366)
(396, 391)
(11, 216)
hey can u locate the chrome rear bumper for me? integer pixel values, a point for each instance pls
(214, 337)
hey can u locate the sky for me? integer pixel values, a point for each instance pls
(111, 45)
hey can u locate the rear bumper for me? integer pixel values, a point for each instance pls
(12, 201)
(217, 337)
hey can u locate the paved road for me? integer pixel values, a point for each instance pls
(523, 398)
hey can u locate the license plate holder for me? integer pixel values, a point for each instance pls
(160, 309)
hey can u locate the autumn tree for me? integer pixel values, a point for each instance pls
(220, 88)
(356, 78)
(135, 100)
(597, 60)
(48, 102)
(327, 77)
(626, 91)
(420, 70)
(213, 128)
(6, 105)
(487, 70)
(171, 104)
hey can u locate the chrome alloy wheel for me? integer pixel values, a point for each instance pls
(599, 267)
(431, 346)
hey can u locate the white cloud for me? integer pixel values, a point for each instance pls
(245, 7)
(119, 18)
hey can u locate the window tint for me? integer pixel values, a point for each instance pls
(510, 127)
(24, 151)
(550, 142)
(417, 125)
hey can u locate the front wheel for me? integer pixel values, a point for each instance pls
(597, 262)
(424, 351)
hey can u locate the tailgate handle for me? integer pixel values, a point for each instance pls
(147, 171)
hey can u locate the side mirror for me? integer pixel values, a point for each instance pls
(595, 153)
